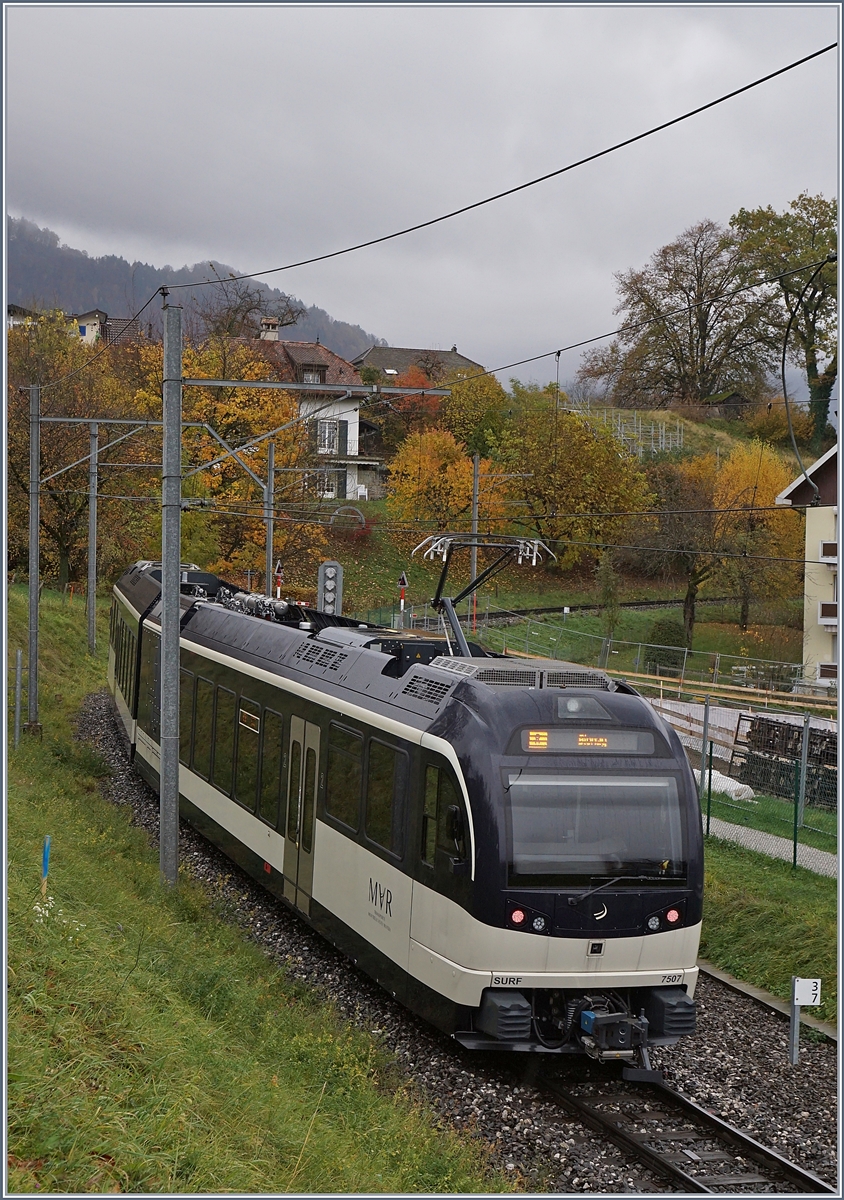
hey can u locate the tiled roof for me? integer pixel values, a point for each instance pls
(435, 363)
(290, 357)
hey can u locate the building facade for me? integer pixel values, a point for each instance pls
(820, 588)
(346, 471)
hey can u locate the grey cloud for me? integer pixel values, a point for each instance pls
(256, 135)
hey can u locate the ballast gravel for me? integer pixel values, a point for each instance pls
(736, 1066)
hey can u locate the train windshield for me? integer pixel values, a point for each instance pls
(570, 828)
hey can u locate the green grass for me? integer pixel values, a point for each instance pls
(150, 1047)
(773, 814)
(764, 922)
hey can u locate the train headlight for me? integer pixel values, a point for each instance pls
(517, 916)
(539, 924)
(672, 916)
(653, 924)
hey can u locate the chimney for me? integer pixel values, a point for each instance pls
(453, 349)
(269, 329)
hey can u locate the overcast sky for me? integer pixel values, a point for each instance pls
(261, 134)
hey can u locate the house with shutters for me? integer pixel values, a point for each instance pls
(347, 471)
(820, 588)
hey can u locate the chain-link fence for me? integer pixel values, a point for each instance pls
(758, 788)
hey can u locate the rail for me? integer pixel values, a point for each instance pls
(683, 1142)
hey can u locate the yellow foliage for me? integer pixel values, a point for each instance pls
(431, 484)
(746, 487)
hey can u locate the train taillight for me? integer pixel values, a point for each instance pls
(517, 916)
(672, 916)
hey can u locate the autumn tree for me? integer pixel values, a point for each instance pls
(474, 410)
(232, 308)
(722, 343)
(681, 539)
(238, 415)
(758, 539)
(772, 242)
(45, 351)
(569, 478)
(431, 484)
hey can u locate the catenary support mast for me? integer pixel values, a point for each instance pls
(171, 531)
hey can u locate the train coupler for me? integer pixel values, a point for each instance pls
(612, 1036)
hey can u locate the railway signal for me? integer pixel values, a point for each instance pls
(330, 588)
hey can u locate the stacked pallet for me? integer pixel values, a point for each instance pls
(767, 749)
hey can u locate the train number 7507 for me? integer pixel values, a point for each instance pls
(676, 978)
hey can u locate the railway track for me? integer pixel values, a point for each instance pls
(684, 1143)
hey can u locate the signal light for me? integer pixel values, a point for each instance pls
(517, 916)
(672, 916)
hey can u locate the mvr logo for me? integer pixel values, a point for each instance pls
(380, 897)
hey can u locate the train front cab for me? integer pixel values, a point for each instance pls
(590, 918)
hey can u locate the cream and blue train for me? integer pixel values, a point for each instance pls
(512, 848)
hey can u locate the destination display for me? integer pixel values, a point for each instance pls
(588, 741)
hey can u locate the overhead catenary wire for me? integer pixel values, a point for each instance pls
(531, 182)
(469, 207)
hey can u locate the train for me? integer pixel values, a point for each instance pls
(511, 847)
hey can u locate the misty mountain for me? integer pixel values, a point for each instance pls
(42, 274)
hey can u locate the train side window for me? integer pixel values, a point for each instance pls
(148, 710)
(120, 641)
(223, 740)
(386, 782)
(293, 801)
(342, 796)
(185, 715)
(271, 766)
(449, 798)
(429, 815)
(309, 799)
(440, 796)
(130, 683)
(248, 738)
(204, 722)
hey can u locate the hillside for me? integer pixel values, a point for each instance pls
(43, 273)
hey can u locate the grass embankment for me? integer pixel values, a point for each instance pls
(150, 1047)
(764, 922)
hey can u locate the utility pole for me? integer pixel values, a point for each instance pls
(32, 724)
(473, 562)
(171, 536)
(93, 430)
(269, 504)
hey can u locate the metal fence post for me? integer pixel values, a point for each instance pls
(704, 740)
(794, 1028)
(18, 681)
(804, 770)
(171, 531)
(709, 792)
(32, 724)
(796, 810)
(93, 432)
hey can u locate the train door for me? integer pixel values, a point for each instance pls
(303, 768)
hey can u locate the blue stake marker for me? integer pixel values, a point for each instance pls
(45, 864)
